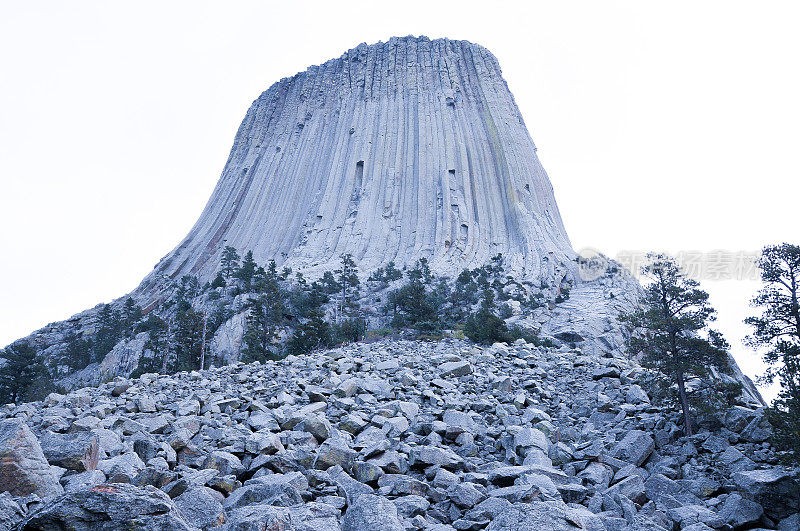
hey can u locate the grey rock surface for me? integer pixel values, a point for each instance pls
(371, 513)
(528, 437)
(201, 507)
(774, 489)
(10, 511)
(23, 467)
(73, 451)
(536, 515)
(110, 508)
(423, 147)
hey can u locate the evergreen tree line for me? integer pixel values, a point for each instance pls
(112, 325)
(25, 373)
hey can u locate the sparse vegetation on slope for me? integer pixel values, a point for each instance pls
(283, 313)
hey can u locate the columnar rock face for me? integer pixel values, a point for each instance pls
(395, 151)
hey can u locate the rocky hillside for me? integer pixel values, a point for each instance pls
(392, 153)
(393, 435)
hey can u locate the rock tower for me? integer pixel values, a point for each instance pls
(394, 151)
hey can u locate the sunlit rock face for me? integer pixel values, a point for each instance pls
(395, 151)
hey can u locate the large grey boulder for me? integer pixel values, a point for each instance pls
(83, 480)
(773, 488)
(632, 487)
(23, 467)
(371, 513)
(465, 495)
(531, 437)
(758, 430)
(666, 493)
(738, 511)
(432, 455)
(311, 516)
(550, 516)
(273, 489)
(110, 508)
(688, 515)
(487, 510)
(122, 468)
(459, 422)
(334, 453)
(790, 523)
(454, 369)
(200, 507)
(634, 448)
(74, 451)
(10, 511)
(347, 486)
(733, 460)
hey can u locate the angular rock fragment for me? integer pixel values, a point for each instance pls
(775, 490)
(371, 513)
(454, 369)
(23, 467)
(73, 451)
(634, 448)
(110, 508)
(200, 507)
(273, 489)
(551, 516)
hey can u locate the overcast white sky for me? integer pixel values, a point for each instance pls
(668, 126)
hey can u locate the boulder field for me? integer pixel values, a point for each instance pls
(391, 435)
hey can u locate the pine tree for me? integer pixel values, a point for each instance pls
(672, 332)
(484, 326)
(219, 281)
(109, 331)
(416, 305)
(387, 274)
(308, 297)
(313, 333)
(23, 375)
(229, 262)
(274, 299)
(348, 283)
(267, 314)
(131, 314)
(188, 288)
(258, 342)
(188, 337)
(78, 353)
(777, 330)
(392, 273)
(158, 344)
(465, 292)
(247, 270)
(329, 284)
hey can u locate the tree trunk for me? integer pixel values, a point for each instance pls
(168, 342)
(795, 311)
(203, 346)
(684, 404)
